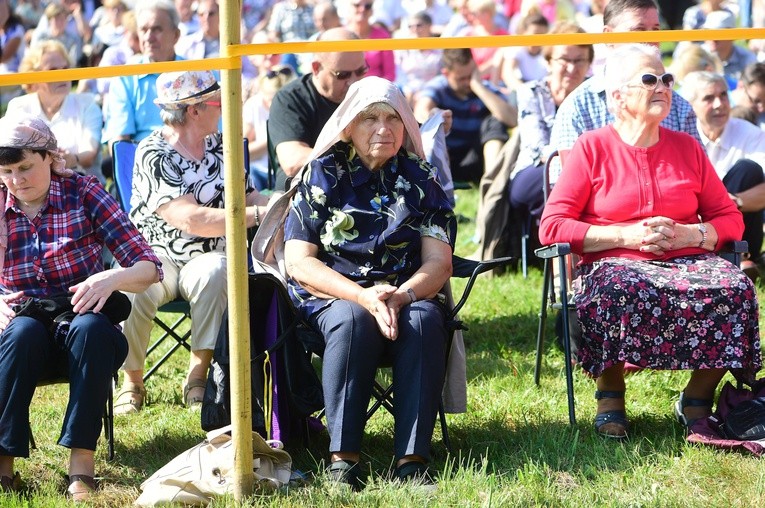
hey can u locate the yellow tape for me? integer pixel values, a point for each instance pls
(268, 394)
(230, 58)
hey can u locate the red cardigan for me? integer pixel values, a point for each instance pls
(608, 182)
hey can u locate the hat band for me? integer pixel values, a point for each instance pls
(215, 86)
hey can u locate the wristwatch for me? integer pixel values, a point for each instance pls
(703, 230)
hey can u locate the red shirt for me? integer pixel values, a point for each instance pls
(608, 182)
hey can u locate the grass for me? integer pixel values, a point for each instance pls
(514, 446)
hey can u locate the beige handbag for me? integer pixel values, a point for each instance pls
(200, 473)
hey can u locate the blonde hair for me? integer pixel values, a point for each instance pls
(276, 78)
(694, 58)
(34, 55)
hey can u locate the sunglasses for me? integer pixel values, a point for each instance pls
(216, 104)
(284, 71)
(651, 81)
(344, 75)
(367, 7)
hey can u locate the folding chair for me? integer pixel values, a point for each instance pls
(108, 414)
(123, 154)
(461, 268)
(562, 252)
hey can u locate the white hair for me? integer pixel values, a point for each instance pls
(621, 66)
(696, 81)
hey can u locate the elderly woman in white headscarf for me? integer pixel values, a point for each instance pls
(369, 240)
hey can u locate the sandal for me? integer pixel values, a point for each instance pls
(616, 417)
(130, 399)
(191, 384)
(346, 472)
(81, 487)
(684, 402)
(10, 484)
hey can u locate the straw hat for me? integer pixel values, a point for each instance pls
(178, 89)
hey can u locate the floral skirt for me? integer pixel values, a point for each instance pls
(695, 312)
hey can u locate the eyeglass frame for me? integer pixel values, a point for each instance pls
(653, 87)
(346, 75)
(576, 62)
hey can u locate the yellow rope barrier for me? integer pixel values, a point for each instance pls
(231, 55)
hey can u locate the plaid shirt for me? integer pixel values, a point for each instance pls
(585, 110)
(62, 245)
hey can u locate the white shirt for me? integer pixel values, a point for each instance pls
(77, 124)
(739, 140)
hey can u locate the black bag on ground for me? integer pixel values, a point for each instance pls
(273, 325)
(746, 421)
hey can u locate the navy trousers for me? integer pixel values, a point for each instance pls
(744, 175)
(88, 355)
(354, 348)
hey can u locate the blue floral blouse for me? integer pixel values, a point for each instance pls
(367, 224)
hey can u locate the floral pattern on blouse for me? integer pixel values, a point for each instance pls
(368, 224)
(536, 114)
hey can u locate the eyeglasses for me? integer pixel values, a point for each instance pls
(577, 62)
(216, 104)
(284, 71)
(344, 75)
(207, 13)
(651, 81)
(366, 7)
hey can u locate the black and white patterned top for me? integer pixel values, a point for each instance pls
(161, 174)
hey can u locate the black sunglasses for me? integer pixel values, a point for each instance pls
(284, 71)
(651, 81)
(343, 75)
(367, 7)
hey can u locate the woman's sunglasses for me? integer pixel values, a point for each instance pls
(344, 75)
(651, 81)
(284, 71)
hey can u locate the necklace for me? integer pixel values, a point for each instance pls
(181, 145)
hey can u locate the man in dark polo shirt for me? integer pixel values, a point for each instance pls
(300, 109)
(481, 115)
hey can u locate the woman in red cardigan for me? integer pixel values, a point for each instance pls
(646, 211)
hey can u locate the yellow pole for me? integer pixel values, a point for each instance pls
(236, 253)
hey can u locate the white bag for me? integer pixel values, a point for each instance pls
(200, 473)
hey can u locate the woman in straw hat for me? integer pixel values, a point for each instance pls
(52, 233)
(177, 204)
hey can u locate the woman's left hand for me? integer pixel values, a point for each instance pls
(92, 293)
(375, 300)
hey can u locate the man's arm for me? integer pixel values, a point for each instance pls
(423, 106)
(752, 200)
(498, 106)
(292, 156)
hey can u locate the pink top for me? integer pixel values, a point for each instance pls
(483, 55)
(608, 182)
(381, 63)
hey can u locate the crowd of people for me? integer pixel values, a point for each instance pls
(668, 166)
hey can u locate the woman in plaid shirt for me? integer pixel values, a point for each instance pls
(54, 226)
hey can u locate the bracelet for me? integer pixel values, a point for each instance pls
(411, 294)
(257, 216)
(703, 230)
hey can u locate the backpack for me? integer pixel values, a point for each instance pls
(285, 388)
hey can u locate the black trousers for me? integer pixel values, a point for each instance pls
(744, 175)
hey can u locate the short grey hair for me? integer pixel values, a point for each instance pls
(173, 116)
(620, 68)
(695, 81)
(159, 5)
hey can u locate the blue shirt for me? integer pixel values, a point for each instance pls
(467, 114)
(585, 110)
(129, 109)
(367, 224)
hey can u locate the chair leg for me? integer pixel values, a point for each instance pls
(109, 419)
(546, 285)
(444, 428)
(567, 342)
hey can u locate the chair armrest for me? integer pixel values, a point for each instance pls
(732, 251)
(464, 268)
(553, 251)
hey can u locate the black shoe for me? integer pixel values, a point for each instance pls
(415, 473)
(347, 472)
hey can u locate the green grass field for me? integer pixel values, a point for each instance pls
(514, 446)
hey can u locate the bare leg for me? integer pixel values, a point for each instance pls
(6, 465)
(702, 385)
(612, 380)
(199, 363)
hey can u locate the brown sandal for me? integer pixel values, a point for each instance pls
(191, 384)
(81, 487)
(10, 484)
(130, 399)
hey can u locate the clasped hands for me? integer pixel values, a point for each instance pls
(657, 235)
(384, 302)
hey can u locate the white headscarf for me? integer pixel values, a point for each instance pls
(361, 94)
